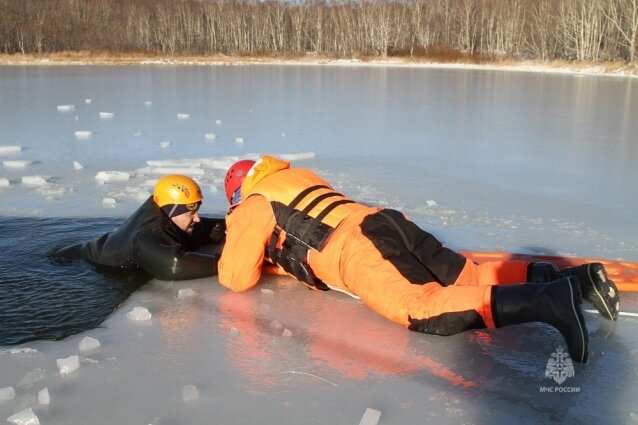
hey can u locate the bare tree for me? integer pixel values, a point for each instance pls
(466, 35)
(623, 15)
(579, 30)
(541, 33)
(508, 27)
(582, 28)
(298, 21)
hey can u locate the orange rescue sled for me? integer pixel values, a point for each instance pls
(623, 273)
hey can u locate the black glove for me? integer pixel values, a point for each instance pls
(218, 232)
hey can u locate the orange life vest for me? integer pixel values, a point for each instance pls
(306, 210)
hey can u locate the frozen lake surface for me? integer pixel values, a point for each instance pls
(485, 160)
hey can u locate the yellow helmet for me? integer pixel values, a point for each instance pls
(174, 190)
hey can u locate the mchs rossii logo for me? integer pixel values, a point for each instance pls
(559, 368)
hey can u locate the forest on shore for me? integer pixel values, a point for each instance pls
(592, 31)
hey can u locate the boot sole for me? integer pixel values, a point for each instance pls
(603, 293)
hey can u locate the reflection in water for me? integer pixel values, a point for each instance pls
(300, 336)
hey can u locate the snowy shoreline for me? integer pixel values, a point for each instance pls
(603, 69)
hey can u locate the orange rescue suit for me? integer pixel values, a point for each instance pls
(393, 266)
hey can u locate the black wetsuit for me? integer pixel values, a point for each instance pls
(149, 240)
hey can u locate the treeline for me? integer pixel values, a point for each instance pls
(573, 30)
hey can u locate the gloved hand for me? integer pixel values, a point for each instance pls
(218, 232)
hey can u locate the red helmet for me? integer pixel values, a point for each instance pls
(235, 177)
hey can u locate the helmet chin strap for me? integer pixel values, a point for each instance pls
(170, 214)
(172, 210)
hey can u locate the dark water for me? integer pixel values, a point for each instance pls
(41, 299)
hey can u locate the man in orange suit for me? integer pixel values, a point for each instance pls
(294, 219)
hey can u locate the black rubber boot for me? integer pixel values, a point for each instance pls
(594, 284)
(556, 303)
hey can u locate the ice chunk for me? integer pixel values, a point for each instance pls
(30, 378)
(43, 397)
(139, 313)
(140, 194)
(174, 163)
(148, 103)
(88, 343)
(431, 203)
(297, 156)
(287, 332)
(276, 324)
(23, 402)
(88, 101)
(190, 393)
(66, 108)
(267, 291)
(111, 176)
(4, 182)
(210, 136)
(109, 202)
(218, 122)
(52, 191)
(239, 140)
(165, 144)
(185, 293)
(106, 115)
(137, 134)
(7, 393)
(189, 171)
(370, 417)
(83, 134)
(10, 149)
(183, 116)
(234, 331)
(18, 163)
(77, 165)
(24, 417)
(33, 181)
(28, 352)
(68, 365)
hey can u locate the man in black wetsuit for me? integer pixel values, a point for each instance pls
(164, 237)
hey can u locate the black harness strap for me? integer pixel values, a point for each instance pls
(323, 214)
(272, 250)
(288, 218)
(332, 206)
(305, 193)
(318, 199)
(302, 233)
